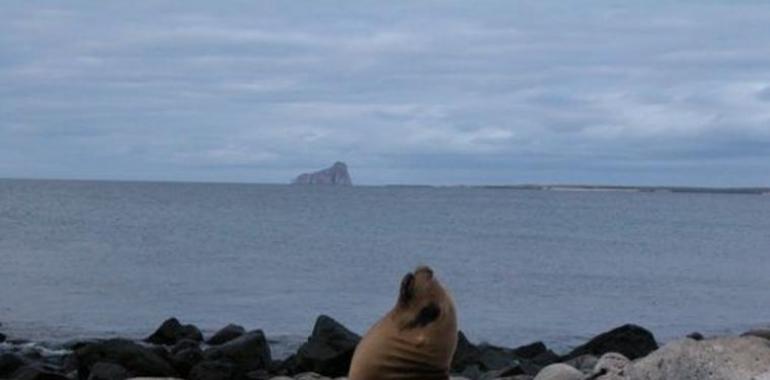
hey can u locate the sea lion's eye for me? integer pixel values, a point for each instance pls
(426, 315)
(407, 289)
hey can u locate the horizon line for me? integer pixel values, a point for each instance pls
(517, 186)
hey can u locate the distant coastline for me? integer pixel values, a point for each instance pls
(539, 187)
(610, 188)
(640, 189)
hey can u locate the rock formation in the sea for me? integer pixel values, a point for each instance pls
(337, 174)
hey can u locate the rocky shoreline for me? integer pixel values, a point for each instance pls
(177, 350)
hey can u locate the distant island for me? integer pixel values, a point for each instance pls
(336, 175)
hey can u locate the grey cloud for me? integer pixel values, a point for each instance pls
(405, 92)
(764, 94)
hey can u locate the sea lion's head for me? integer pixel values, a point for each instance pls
(423, 301)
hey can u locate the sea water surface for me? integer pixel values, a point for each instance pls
(87, 258)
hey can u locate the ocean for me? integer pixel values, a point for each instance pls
(96, 259)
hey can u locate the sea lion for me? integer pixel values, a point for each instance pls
(415, 340)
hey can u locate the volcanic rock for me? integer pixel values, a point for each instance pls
(248, 352)
(631, 341)
(328, 350)
(171, 332)
(108, 371)
(137, 359)
(226, 334)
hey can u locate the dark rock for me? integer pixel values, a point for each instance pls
(138, 360)
(36, 372)
(248, 352)
(9, 363)
(212, 370)
(472, 372)
(226, 334)
(258, 375)
(465, 355)
(275, 366)
(286, 367)
(161, 351)
(486, 357)
(2, 337)
(528, 368)
(184, 344)
(759, 333)
(695, 336)
(335, 175)
(630, 340)
(531, 350)
(503, 373)
(521, 368)
(54, 359)
(546, 358)
(171, 332)
(108, 371)
(74, 344)
(329, 348)
(70, 363)
(33, 355)
(185, 359)
(495, 358)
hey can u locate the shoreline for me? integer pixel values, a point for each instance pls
(285, 343)
(184, 351)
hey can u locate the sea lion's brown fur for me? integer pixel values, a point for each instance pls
(415, 340)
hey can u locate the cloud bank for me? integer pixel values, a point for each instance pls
(404, 92)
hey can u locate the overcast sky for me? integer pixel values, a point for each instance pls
(493, 92)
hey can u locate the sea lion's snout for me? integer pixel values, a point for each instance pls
(421, 274)
(424, 270)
